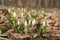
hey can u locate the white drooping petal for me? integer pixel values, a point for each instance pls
(42, 11)
(32, 10)
(9, 10)
(18, 22)
(25, 23)
(22, 14)
(14, 14)
(33, 22)
(29, 21)
(44, 23)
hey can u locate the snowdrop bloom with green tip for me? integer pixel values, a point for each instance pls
(14, 14)
(44, 23)
(18, 22)
(29, 21)
(25, 23)
(33, 22)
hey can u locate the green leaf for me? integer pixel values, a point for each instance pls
(0, 32)
(18, 28)
(42, 30)
(25, 30)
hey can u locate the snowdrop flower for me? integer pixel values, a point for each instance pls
(32, 10)
(33, 22)
(22, 14)
(29, 21)
(25, 23)
(14, 14)
(18, 22)
(42, 11)
(44, 23)
(9, 10)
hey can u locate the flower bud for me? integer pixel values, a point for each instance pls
(14, 14)
(44, 23)
(9, 10)
(33, 22)
(18, 22)
(29, 21)
(25, 23)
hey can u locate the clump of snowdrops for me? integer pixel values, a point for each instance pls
(25, 19)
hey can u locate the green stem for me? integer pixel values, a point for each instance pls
(25, 30)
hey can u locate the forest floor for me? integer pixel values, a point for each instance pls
(52, 32)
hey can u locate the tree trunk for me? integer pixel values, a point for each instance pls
(39, 3)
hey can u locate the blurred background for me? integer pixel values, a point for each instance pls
(31, 3)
